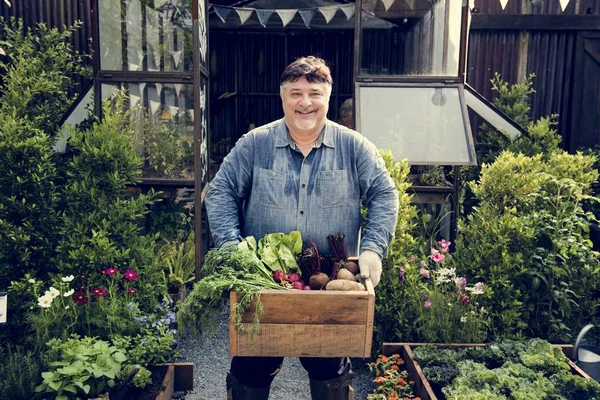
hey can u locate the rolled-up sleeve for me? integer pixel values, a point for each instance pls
(380, 196)
(227, 192)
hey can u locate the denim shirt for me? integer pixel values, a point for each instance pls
(266, 185)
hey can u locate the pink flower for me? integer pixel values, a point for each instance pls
(434, 251)
(461, 282)
(98, 292)
(131, 291)
(438, 257)
(130, 275)
(80, 298)
(423, 263)
(479, 286)
(464, 299)
(444, 244)
(427, 304)
(110, 271)
(425, 273)
(412, 259)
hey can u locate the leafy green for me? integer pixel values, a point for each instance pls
(278, 251)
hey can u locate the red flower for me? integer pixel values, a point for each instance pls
(131, 291)
(98, 292)
(80, 298)
(110, 271)
(130, 275)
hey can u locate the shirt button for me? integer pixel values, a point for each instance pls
(303, 185)
(301, 212)
(305, 161)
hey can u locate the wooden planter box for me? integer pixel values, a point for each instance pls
(179, 377)
(304, 323)
(423, 388)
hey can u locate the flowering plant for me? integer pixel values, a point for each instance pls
(391, 379)
(447, 306)
(94, 305)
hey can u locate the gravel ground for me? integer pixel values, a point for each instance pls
(211, 359)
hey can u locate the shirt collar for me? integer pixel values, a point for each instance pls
(283, 138)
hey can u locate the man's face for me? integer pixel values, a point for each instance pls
(305, 106)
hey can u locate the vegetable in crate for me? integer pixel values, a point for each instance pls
(232, 267)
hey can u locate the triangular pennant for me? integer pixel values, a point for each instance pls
(202, 99)
(174, 110)
(563, 4)
(348, 9)
(286, 15)
(154, 106)
(503, 3)
(142, 87)
(159, 87)
(328, 12)
(307, 16)
(263, 16)
(133, 100)
(244, 13)
(222, 12)
(387, 4)
(177, 88)
(176, 57)
(133, 67)
(191, 114)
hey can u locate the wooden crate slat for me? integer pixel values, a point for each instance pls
(293, 340)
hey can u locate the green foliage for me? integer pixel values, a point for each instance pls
(20, 370)
(170, 219)
(179, 263)
(38, 73)
(81, 364)
(528, 240)
(393, 321)
(151, 346)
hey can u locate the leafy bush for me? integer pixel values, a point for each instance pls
(528, 240)
(20, 370)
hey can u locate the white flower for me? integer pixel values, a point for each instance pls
(52, 292)
(31, 280)
(45, 301)
(68, 278)
(70, 292)
(483, 310)
(463, 319)
(67, 307)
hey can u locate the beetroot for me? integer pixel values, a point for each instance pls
(294, 277)
(306, 287)
(298, 285)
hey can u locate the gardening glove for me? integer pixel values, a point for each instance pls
(370, 266)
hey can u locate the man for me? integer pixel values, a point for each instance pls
(305, 173)
(345, 117)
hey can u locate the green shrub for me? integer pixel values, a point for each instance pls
(20, 370)
(527, 240)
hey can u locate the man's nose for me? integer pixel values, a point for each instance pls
(305, 101)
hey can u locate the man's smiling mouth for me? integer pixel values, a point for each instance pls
(305, 112)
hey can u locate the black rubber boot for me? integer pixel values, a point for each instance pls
(332, 389)
(238, 391)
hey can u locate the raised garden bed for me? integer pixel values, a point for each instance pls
(423, 388)
(167, 379)
(306, 324)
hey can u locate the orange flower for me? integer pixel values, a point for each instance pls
(400, 361)
(384, 359)
(395, 357)
(394, 367)
(379, 380)
(411, 382)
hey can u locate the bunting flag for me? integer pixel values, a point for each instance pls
(348, 9)
(263, 16)
(142, 87)
(244, 13)
(286, 16)
(222, 12)
(174, 111)
(177, 88)
(503, 3)
(154, 105)
(191, 114)
(133, 67)
(133, 101)
(159, 88)
(307, 16)
(176, 57)
(563, 4)
(328, 12)
(387, 4)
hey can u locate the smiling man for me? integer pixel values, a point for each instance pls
(308, 174)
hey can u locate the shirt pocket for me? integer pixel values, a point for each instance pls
(332, 188)
(271, 188)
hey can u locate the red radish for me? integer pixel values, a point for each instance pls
(307, 287)
(294, 277)
(279, 276)
(297, 285)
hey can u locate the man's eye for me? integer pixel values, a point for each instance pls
(295, 94)
(315, 94)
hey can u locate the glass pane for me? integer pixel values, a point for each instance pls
(138, 35)
(411, 37)
(202, 32)
(425, 125)
(162, 116)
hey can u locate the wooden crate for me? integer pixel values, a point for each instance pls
(305, 323)
(423, 388)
